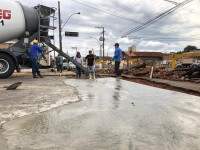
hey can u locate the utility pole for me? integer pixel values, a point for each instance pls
(60, 29)
(103, 43)
(102, 39)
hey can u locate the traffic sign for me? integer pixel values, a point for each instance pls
(73, 34)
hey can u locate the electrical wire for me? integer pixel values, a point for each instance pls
(108, 12)
(157, 18)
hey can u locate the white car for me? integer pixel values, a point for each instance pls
(65, 65)
(68, 66)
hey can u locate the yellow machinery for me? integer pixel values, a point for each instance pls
(134, 60)
(173, 57)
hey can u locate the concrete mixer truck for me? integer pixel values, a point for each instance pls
(24, 24)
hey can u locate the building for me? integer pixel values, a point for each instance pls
(132, 48)
(150, 58)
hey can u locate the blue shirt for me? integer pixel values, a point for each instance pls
(118, 54)
(35, 50)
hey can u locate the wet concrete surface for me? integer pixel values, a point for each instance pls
(113, 114)
(33, 96)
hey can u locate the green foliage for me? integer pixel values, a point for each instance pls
(65, 60)
(179, 52)
(189, 48)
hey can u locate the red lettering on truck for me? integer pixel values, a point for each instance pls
(5, 14)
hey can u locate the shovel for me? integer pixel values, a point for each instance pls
(13, 86)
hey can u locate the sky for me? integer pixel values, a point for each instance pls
(171, 33)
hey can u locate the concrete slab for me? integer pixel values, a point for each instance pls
(112, 114)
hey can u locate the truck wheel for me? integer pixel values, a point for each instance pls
(7, 66)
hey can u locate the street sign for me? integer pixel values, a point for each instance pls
(51, 37)
(73, 34)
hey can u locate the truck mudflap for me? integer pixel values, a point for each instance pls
(66, 56)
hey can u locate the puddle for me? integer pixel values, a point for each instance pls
(112, 114)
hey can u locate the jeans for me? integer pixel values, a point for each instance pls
(60, 68)
(35, 66)
(78, 72)
(91, 69)
(117, 71)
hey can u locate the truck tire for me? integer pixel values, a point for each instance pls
(7, 66)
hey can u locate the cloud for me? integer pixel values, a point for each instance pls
(118, 17)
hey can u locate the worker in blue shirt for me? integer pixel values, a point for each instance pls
(117, 58)
(35, 52)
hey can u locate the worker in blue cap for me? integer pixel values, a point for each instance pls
(117, 59)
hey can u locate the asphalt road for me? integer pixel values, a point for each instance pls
(113, 114)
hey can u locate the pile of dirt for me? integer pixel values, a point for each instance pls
(143, 71)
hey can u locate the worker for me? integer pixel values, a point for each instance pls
(59, 63)
(90, 63)
(35, 52)
(79, 59)
(117, 59)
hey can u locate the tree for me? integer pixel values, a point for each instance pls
(179, 52)
(189, 48)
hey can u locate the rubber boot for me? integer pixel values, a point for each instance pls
(35, 76)
(40, 76)
(94, 76)
(90, 76)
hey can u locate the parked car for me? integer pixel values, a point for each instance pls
(68, 66)
(181, 66)
(195, 65)
(65, 65)
(71, 66)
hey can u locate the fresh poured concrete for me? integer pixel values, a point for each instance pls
(113, 115)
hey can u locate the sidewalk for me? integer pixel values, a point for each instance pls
(183, 85)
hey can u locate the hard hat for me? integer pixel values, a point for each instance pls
(35, 41)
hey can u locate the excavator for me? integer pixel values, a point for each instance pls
(25, 24)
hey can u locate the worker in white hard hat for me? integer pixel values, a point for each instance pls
(35, 52)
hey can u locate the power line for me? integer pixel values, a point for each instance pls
(155, 19)
(108, 12)
(176, 3)
(164, 38)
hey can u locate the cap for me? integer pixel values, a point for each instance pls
(116, 44)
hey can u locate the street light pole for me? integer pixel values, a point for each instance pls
(103, 40)
(103, 43)
(60, 22)
(78, 13)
